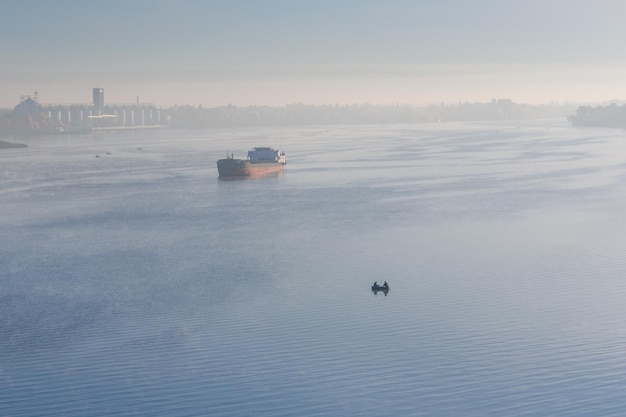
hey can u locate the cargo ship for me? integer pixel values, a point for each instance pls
(260, 161)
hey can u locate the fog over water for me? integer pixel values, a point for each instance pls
(137, 283)
(134, 282)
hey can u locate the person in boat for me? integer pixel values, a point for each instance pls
(385, 285)
(375, 284)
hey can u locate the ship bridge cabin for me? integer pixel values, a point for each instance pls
(266, 154)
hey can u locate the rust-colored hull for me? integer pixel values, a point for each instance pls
(243, 168)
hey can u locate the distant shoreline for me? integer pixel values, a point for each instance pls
(8, 145)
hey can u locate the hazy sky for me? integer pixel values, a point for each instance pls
(278, 52)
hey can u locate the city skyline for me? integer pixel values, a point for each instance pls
(315, 52)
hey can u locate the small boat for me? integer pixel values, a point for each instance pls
(384, 288)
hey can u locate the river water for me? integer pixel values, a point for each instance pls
(134, 282)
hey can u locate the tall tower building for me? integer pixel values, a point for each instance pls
(98, 100)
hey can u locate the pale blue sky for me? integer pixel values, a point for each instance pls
(312, 51)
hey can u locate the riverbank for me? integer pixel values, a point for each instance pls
(8, 145)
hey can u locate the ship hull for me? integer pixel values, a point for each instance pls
(244, 168)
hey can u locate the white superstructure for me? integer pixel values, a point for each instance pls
(267, 155)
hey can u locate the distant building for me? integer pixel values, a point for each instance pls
(27, 107)
(98, 101)
(30, 116)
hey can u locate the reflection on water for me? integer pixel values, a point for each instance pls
(251, 177)
(137, 284)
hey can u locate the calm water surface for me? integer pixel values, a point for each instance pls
(137, 283)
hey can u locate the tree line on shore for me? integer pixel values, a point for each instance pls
(303, 114)
(612, 115)
(188, 116)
